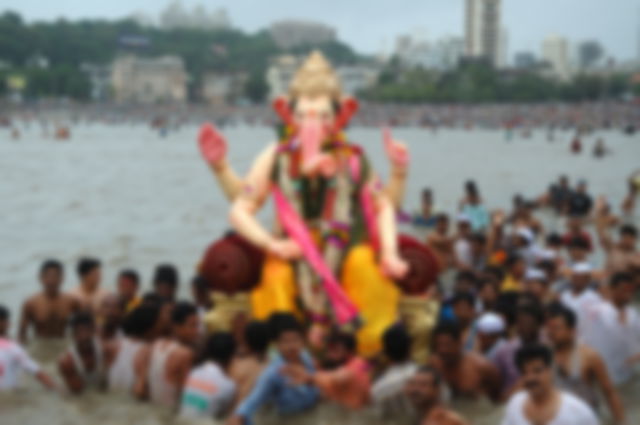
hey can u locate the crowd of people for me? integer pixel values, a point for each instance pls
(583, 117)
(524, 317)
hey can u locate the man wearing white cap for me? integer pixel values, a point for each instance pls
(580, 297)
(537, 284)
(491, 328)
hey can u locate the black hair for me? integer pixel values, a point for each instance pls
(86, 265)
(132, 275)
(466, 275)
(199, 283)
(532, 309)
(529, 352)
(578, 242)
(554, 239)
(166, 274)
(629, 229)
(447, 327)
(4, 313)
(151, 298)
(81, 319)
(559, 310)
(140, 320)
(548, 266)
(471, 187)
(442, 217)
(512, 259)
(507, 306)
(280, 323)
(182, 311)
(396, 343)
(463, 297)
(256, 335)
(479, 237)
(619, 278)
(220, 347)
(427, 193)
(51, 264)
(345, 339)
(496, 271)
(435, 374)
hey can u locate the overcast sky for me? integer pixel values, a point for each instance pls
(368, 24)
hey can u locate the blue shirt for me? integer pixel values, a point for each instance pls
(273, 387)
(478, 215)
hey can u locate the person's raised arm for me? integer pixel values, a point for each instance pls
(602, 225)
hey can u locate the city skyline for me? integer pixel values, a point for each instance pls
(615, 24)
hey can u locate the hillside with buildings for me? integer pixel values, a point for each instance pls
(197, 55)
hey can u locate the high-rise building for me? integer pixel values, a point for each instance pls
(483, 30)
(555, 52)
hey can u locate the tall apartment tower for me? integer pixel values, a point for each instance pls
(483, 30)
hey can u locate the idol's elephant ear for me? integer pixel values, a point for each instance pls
(348, 108)
(282, 107)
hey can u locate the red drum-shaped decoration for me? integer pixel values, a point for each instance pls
(423, 266)
(232, 265)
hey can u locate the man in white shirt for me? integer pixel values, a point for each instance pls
(541, 402)
(208, 391)
(580, 297)
(613, 329)
(387, 392)
(14, 359)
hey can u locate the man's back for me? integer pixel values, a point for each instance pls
(208, 392)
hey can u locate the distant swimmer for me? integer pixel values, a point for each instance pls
(576, 145)
(15, 134)
(599, 149)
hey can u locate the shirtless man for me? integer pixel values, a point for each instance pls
(49, 311)
(85, 363)
(542, 402)
(14, 359)
(440, 241)
(423, 390)
(623, 254)
(468, 374)
(578, 368)
(89, 292)
(170, 359)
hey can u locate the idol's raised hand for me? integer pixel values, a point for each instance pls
(396, 152)
(213, 145)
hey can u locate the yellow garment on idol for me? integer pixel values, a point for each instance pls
(375, 296)
(276, 292)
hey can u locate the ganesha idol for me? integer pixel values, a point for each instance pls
(333, 257)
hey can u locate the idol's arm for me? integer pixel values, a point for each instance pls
(227, 178)
(398, 156)
(252, 196)
(396, 185)
(213, 147)
(392, 264)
